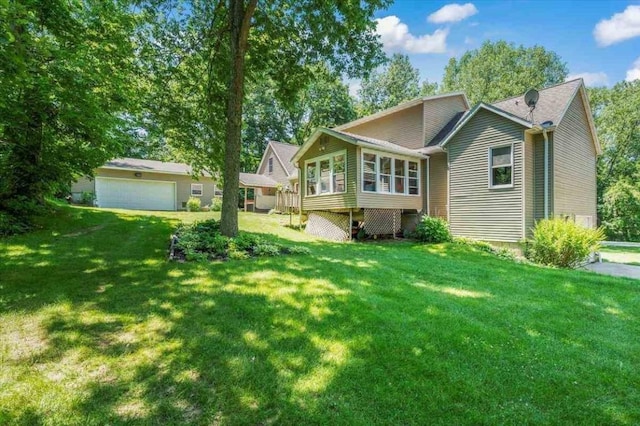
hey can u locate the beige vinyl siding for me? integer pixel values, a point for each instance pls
(183, 183)
(374, 200)
(538, 178)
(529, 195)
(438, 112)
(475, 210)
(330, 201)
(279, 173)
(438, 182)
(403, 128)
(575, 164)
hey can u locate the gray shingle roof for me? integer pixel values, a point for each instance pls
(255, 180)
(150, 166)
(285, 151)
(551, 105)
(448, 128)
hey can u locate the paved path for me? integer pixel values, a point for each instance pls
(615, 269)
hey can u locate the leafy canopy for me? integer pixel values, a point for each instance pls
(498, 70)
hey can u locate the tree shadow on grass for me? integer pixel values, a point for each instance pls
(352, 334)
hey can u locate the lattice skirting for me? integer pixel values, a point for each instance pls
(332, 226)
(382, 221)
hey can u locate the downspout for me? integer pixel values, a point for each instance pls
(428, 187)
(546, 173)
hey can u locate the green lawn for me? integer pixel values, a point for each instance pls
(97, 327)
(627, 255)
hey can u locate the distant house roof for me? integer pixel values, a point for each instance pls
(284, 152)
(150, 166)
(551, 105)
(250, 180)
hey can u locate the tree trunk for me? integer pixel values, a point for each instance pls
(239, 24)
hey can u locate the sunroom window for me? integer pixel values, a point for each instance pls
(327, 174)
(386, 174)
(501, 166)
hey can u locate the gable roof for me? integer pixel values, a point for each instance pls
(283, 152)
(256, 180)
(551, 106)
(464, 119)
(401, 107)
(378, 144)
(150, 166)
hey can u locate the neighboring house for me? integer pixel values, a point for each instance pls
(275, 170)
(491, 170)
(130, 183)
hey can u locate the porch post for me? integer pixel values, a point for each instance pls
(245, 198)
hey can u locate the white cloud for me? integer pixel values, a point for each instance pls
(395, 37)
(619, 27)
(634, 73)
(452, 13)
(591, 79)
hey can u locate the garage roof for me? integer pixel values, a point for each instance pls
(251, 180)
(153, 166)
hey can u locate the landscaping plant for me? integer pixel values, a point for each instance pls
(193, 204)
(562, 243)
(433, 230)
(216, 204)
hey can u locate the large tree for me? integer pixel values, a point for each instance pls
(65, 89)
(323, 101)
(209, 50)
(499, 70)
(616, 112)
(396, 82)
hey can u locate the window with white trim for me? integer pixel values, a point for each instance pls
(326, 174)
(196, 190)
(501, 166)
(390, 175)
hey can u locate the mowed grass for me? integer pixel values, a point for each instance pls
(97, 327)
(618, 254)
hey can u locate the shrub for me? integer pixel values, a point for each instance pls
(299, 250)
(10, 225)
(432, 230)
(193, 204)
(562, 243)
(216, 204)
(266, 249)
(87, 198)
(245, 241)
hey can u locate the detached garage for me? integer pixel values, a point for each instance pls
(134, 184)
(132, 194)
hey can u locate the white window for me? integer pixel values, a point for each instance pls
(196, 190)
(501, 167)
(369, 172)
(327, 174)
(386, 174)
(270, 167)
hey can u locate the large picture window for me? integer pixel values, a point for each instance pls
(327, 174)
(501, 167)
(390, 175)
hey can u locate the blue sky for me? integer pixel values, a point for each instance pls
(599, 40)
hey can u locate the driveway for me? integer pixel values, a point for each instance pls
(615, 269)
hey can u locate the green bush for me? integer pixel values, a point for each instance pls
(562, 243)
(193, 204)
(10, 225)
(216, 204)
(202, 240)
(484, 246)
(432, 230)
(87, 198)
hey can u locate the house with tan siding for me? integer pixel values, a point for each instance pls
(492, 170)
(131, 183)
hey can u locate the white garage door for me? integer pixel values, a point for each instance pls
(135, 194)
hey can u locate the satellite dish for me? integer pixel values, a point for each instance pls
(531, 98)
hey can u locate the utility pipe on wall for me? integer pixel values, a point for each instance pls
(546, 173)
